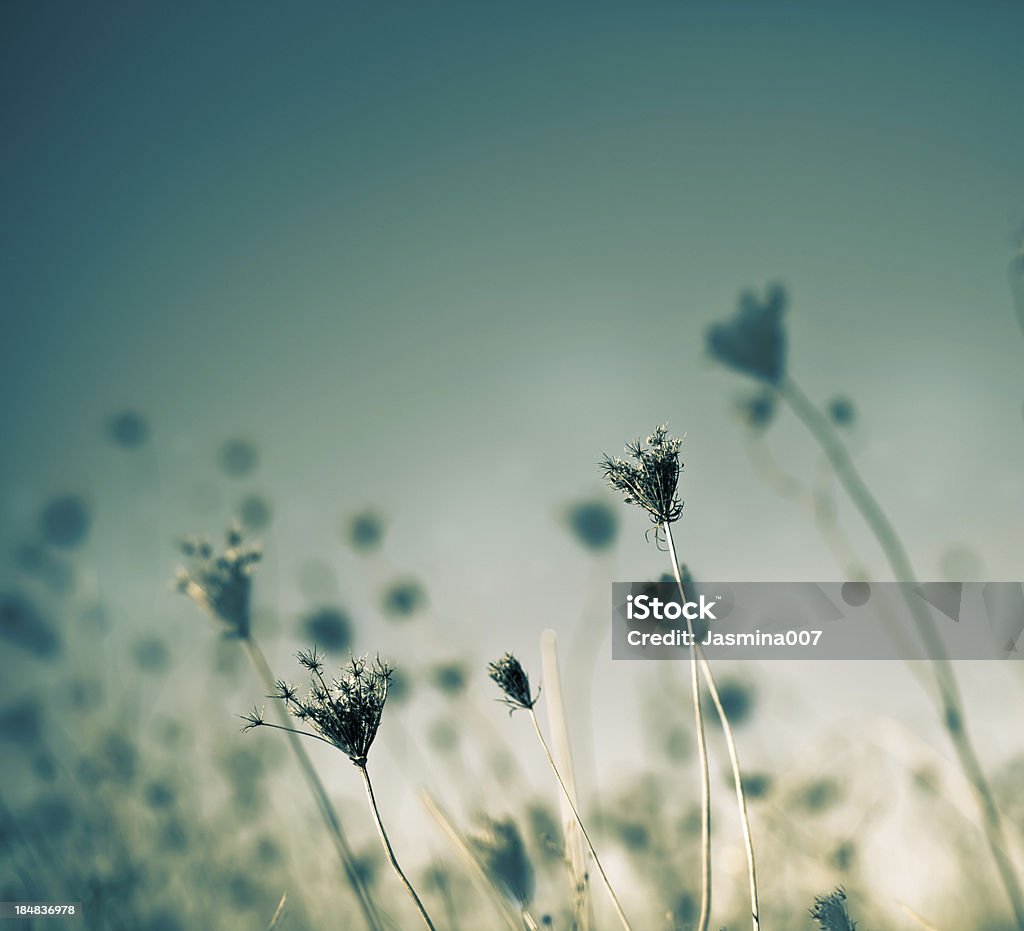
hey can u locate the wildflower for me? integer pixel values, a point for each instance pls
(514, 682)
(503, 854)
(754, 341)
(344, 712)
(221, 583)
(831, 914)
(652, 481)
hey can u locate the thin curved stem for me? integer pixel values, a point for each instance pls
(950, 702)
(702, 755)
(730, 743)
(390, 852)
(326, 808)
(572, 805)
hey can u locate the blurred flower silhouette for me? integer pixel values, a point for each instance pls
(221, 583)
(841, 412)
(128, 429)
(504, 857)
(593, 523)
(753, 341)
(65, 521)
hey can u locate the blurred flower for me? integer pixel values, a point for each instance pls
(128, 429)
(753, 341)
(405, 598)
(23, 626)
(737, 700)
(504, 857)
(842, 412)
(328, 627)
(221, 583)
(255, 512)
(366, 531)
(514, 682)
(345, 712)
(450, 678)
(652, 481)
(758, 410)
(831, 914)
(238, 458)
(65, 521)
(593, 523)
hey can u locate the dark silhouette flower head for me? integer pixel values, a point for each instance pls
(221, 583)
(651, 480)
(344, 711)
(830, 912)
(753, 341)
(508, 672)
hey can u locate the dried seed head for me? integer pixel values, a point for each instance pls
(652, 479)
(503, 854)
(221, 583)
(514, 682)
(831, 914)
(345, 711)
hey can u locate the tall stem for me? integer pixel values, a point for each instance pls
(951, 707)
(572, 806)
(702, 756)
(327, 811)
(387, 848)
(734, 759)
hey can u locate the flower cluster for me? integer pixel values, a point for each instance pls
(345, 711)
(221, 583)
(652, 479)
(754, 341)
(508, 672)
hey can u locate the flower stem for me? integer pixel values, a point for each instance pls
(702, 756)
(730, 742)
(388, 849)
(572, 805)
(950, 703)
(327, 811)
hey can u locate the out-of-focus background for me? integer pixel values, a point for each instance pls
(384, 282)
